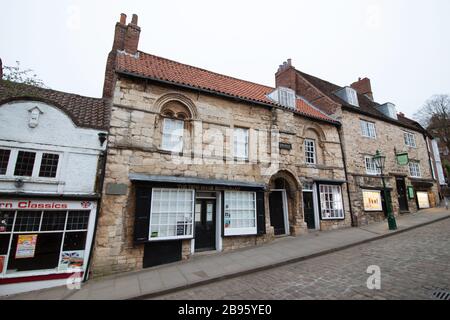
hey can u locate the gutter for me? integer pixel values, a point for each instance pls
(344, 159)
(185, 86)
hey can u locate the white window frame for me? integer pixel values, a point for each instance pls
(14, 153)
(368, 129)
(192, 222)
(168, 137)
(414, 169)
(310, 149)
(370, 166)
(238, 140)
(410, 139)
(235, 231)
(336, 203)
(286, 97)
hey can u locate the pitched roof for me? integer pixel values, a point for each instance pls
(84, 111)
(366, 105)
(161, 69)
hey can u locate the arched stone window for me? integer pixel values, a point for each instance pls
(175, 128)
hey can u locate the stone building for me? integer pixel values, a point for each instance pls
(51, 154)
(368, 126)
(199, 161)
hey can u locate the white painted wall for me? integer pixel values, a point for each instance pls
(79, 148)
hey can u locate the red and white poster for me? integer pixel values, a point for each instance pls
(26, 246)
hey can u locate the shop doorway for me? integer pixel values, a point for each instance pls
(308, 210)
(205, 224)
(278, 211)
(401, 194)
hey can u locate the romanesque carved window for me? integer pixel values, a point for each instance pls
(310, 151)
(313, 147)
(174, 116)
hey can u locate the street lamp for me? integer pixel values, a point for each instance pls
(379, 163)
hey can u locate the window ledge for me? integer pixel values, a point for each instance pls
(30, 180)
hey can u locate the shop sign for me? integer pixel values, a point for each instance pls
(71, 260)
(423, 200)
(45, 204)
(372, 200)
(402, 158)
(26, 246)
(410, 192)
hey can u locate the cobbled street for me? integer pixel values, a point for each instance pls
(413, 265)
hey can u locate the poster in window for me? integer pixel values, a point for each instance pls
(26, 246)
(180, 228)
(209, 212)
(372, 200)
(227, 219)
(71, 260)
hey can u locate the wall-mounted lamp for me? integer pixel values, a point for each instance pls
(102, 137)
(19, 183)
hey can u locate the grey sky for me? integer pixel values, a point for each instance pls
(401, 45)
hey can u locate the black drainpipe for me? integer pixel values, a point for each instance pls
(100, 191)
(354, 220)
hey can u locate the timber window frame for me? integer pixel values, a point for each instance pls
(310, 151)
(240, 213)
(414, 169)
(368, 129)
(331, 202)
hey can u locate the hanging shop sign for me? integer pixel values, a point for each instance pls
(372, 200)
(26, 246)
(402, 158)
(410, 192)
(423, 200)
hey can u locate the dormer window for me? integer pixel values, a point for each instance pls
(284, 96)
(349, 95)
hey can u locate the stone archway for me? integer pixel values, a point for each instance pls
(285, 203)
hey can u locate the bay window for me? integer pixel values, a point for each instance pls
(171, 214)
(172, 139)
(241, 143)
(239, 213)
(331, 206)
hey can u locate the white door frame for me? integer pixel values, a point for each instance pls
(285, 209)
(316, 206)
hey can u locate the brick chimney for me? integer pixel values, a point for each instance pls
(285, 76)
(362, 86)
(126, 38)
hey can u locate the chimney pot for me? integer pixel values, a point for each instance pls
(134, 19)
(289, 62)
(123, 18)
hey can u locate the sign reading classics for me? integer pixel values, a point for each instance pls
(45, 204)
(372, 200)
(26, 246)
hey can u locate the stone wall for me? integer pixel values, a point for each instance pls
(134, 147)
(389, 139)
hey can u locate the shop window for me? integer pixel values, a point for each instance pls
(371, 167)
(172, 214)
(77, 220)
(49, 165)
(4, 159)
(310, 151)
(6, 220)
(74, 241)
(53, 220)
(240, 213)
(331, 202)
(4, 243)
(44, 255)
(414, 169)
(27, 221)
(25, 164)
(172, 139)
(240, 143)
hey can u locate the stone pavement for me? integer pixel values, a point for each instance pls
(204, 269)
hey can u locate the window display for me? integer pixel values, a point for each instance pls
(331, 202)
(171, 214)
(240, 213)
